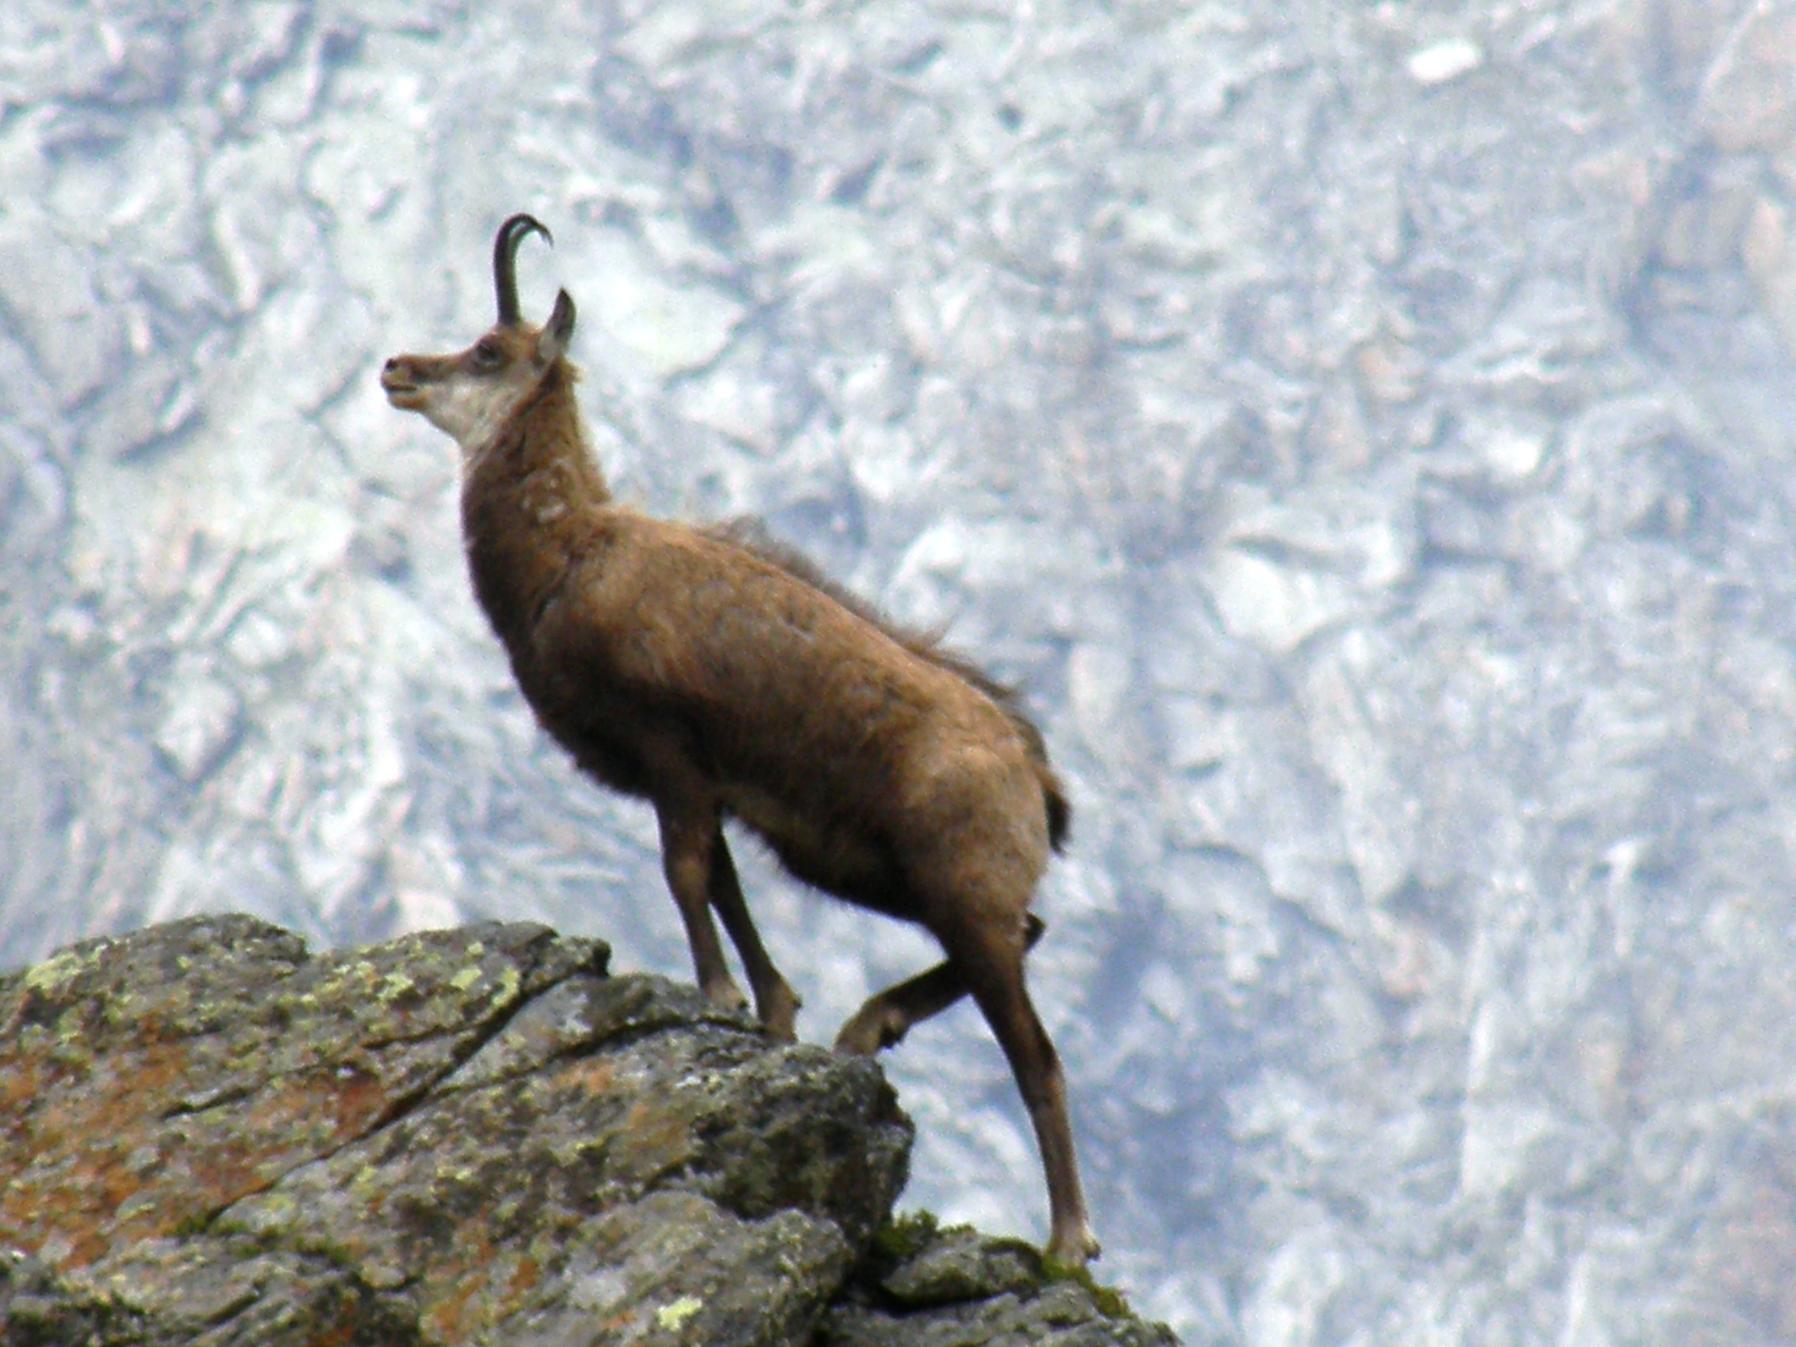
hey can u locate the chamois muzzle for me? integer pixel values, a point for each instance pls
(505, 257)
(399, 380)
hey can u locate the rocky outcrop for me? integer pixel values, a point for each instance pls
(213, 1136)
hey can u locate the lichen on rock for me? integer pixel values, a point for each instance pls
(476, 1135)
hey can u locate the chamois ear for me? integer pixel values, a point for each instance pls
(559, 330)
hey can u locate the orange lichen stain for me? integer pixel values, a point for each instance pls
(595, 1075)
(446, 1320)
(75, 1203)
(464, 1273)
(650, 1139)
(622, 1321)
(316, 1111)
(524, 1277)
(345, 1331)
(136, 1089)
(59, 1221)
(476, 1290)
(20, 1083)
(158, 1069)
(90, 1246)
(101, 1156)
(94, 1158)
(119, 1174)
(223, 1173)
(113, 1180)
(360, 1099)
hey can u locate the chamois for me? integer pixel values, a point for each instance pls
(717, 676)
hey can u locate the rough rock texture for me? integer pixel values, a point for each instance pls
(931, 1288)
(211, 1136)
(1364, 428)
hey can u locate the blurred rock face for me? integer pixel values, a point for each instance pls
(1363, 432)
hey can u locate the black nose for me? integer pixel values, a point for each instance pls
(392, 363)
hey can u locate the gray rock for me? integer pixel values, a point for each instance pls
(461, 1136)
(194, 1291)
(928, 1287)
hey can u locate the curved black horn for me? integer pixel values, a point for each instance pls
(505, 255)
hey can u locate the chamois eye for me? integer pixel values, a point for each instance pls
(486, 353)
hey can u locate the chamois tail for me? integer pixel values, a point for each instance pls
(1059, 808)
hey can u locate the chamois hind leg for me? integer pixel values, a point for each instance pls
(689, 834)
(775, 1002)
(889, 1015)
(991, 962)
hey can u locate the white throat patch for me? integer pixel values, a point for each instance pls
(473, 411)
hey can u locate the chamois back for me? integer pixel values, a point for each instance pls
(750, 534)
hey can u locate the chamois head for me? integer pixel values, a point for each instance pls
(472, 394)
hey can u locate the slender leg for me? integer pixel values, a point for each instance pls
(688, 831)
(889, 1015)
(993, 968)
(775, 1001)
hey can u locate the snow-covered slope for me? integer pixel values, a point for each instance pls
(1365, 430)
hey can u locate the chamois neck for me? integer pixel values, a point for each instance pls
(527, 502)
(543, 442)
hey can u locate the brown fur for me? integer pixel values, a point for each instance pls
(718, 675)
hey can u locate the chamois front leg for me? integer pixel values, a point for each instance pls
(775, 1001)
(689, 833)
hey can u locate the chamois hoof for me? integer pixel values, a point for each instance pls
(875, 1026)
(726, 996)
(778, 1011)
(1074, 1248)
